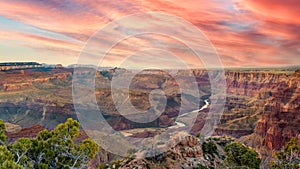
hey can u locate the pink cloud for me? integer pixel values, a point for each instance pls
(248, 32)
(282, 11)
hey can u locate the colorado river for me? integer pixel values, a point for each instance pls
(193, 113)
(183, 120)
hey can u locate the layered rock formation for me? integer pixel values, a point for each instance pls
(17, 81)
(253, 83)
(246, 95)
(44, 96)
(36, 96)
(281, 116)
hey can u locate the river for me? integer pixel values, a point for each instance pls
(193, 113)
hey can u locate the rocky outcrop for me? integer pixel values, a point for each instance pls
(187, 153)
(12, 128)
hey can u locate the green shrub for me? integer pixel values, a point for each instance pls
(209, 148)
(50, 149)
(289, 157)
(240, 156)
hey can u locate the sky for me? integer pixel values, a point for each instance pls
(244, 33)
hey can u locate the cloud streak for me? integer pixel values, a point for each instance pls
(244, 32)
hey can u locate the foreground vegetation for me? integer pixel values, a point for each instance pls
(50, 149)
(288, 157)
(56, 149)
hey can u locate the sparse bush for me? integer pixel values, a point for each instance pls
(210, 148)
(240, 156)
(200, 167)
(2, 134)
(289, 157)
(101, 166)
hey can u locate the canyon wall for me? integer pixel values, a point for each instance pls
(253, 83)
(45, 96)
(280, 120)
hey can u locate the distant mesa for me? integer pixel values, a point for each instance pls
(26, 65)
(19, 65)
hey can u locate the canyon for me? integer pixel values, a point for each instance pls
(261, 108)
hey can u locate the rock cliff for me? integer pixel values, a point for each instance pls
(253, 83)
(281, 115)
